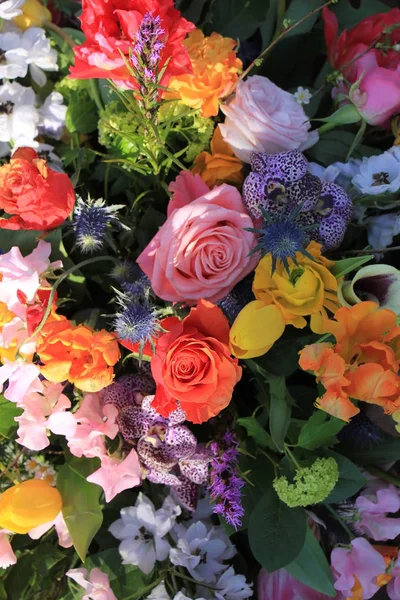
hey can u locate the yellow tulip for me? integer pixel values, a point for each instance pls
(29, 504)
(256, 328)
(34, 14)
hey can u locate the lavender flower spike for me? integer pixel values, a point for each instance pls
(147, 51)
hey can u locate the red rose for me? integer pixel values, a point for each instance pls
(110, 27)
(35, 196)
(193, 365)
(378, 70)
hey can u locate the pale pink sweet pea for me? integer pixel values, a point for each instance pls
(186, 188)
(115, 476)
(202, 250)
(16, 332)
(96, 586)
(7, 556)
(393, 587)
(280, 585)
(23, 378)
(372, 506)
(362, 561)
(262, 117)
(64, 538)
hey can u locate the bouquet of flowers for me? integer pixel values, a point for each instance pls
(199, 299)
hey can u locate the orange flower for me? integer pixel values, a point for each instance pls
(221, 166)
(215, 71)
(193, 366)
(77, 354)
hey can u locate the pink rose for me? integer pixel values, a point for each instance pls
(264, 118)
(378, 96)
(202, 250)
(186, 188)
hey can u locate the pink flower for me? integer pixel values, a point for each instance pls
(361, 562)
(262, 117)
(94, 422)
(186, 188)
(23, 378)
(16, 332)
(280, 585)
(378, 96)
(114, 476)
(23, 274)
(64, 538)
(373, 505)
(44, 410)
(202, 250)
(393, 587)
(7, 556)
(97, 587)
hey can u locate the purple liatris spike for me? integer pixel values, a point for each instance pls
(148, 47)
(225, 481)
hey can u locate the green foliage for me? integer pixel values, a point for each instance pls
(81, 116)
(351, 480)
(276, 533)
(311, 485)
(347, 265)
(279, 418)
(319, 430)
(238, 19)
(81, 507)
(256, 431)
(8, 412)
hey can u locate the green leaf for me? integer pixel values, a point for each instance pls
(256, 431)
(8, 412)
(284, 358)
(280, 411)
(311, 567)
(299, 9)
(276, 532)
(378, 453)
(346, 265)
(319, 430)
(357, 139)
(81, 116)
(334, 146)
(238, 18)
(81, 506)
(351, 480)
(20, 577)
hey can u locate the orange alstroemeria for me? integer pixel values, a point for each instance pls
(77, 354)
(221, 166)
(373, 384)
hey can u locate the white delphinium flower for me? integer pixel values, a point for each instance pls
(142, 530)
(182, 596)
(379, 174)
(159, 593)
(382, 229)
(19, 117)
(52, 116)
(11, 9)
(13, 58)
(303, 95)
(232, 586)
(39, 53)
(200, 551)
(337, 172)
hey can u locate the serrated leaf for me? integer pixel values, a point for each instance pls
(280, 411)
(319, 430)
(346, 265)
(277, 533)
(256, 431)
(81, 507)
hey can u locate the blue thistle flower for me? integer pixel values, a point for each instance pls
(137, 322)
(90, 223)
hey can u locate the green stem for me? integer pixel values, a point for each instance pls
(281, 9)
(385, 476)
(291, 456)
(95, 94)
(339, 520)
(59, 31)
(186, 578)
(145, 590)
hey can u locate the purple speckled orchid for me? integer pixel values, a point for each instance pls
(280, 185)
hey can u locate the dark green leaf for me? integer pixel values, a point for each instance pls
(256, 431)
(299, 9)
(81, 116)
(378, 453)
(8, 411)
(280, 411)
(349, 17)
(351, 480)
(124, 579)
(311, 567)
(320, 430)
(334, 146)
(284, 358)
(276, 532)
(20, 577)
(238, 18)
(81, 507)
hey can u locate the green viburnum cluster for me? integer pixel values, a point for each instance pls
(311, 484)
(72, 89)
(119, 130)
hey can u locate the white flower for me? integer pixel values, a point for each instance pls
(303, 95)
(40, 56)
(379, 174)
(52, 116)
(182, 596)
(159, 593)
(201, 551)
(142, 529)
(232, 587)
(338, 172)
(382, 229)
(19, 117)
(10, 9)
(46, 152)
(13, 58)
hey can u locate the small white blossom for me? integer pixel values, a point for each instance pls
(19, 117)
(13, 58)
(52, 116)
(303, 95)
(11, 9)
(142, 529)
(159, 593)
(232, 587)
(40, 55)
(201, 551)
(379, 174)
(182, 596)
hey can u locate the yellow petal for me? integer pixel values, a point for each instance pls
(256, 328)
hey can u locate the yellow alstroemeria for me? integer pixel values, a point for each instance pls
(34, 14)
(29, 504)
(255, 330)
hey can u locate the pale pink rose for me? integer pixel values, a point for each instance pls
(262, 117)
(372, 506)
(186, 188)
(97, 586)
(377, 97)
(361, 561)
(115, 476)
(64, 538)
(7, 556)
(280, 585)
(23, 274)
(23, 378)
(202, 250)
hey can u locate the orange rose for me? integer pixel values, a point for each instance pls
(35, 196)
(77, 354)
(215, 71)
(221, 166)
(193, 366)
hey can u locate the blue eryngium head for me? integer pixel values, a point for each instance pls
(137, 321)
(90, 222)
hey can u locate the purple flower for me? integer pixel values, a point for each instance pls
(225, 482)
(147, 50)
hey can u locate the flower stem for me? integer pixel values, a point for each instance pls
(385, 476)
(59, 31)
(291, 456)
(95, 94)
(339, 520)
(186, 578)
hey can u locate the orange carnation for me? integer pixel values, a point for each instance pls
(78, 354)
(221, 166)
(35, 196)
(192, 365)
(215, 72)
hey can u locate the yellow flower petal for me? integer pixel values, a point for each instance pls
(255, 330)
